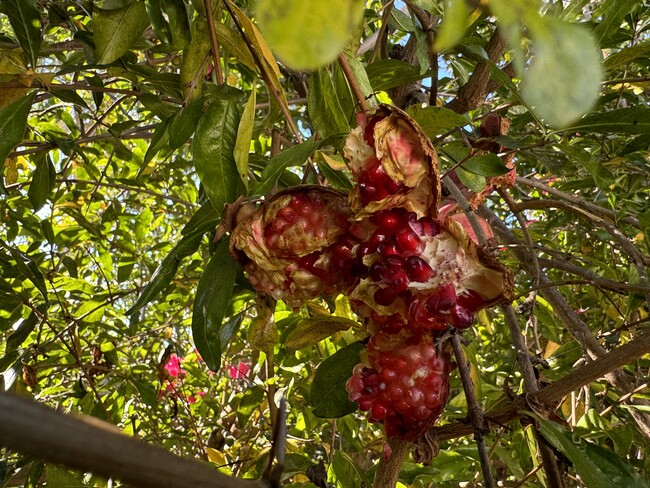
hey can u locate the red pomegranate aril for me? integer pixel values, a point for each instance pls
(430, 227)
(443, 301)
(471, 301)
(408, 241)
(372, 380)
(365, 404)
(395, 277)
(388, 248)
(375, 271)
(389, 221)
(379, 412)
(385, 296)
(394, 391)
(461, 318)
(418, 269)
(288, 214)
(388, 375)
(377, 238)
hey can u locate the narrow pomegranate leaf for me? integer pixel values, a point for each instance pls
(307, 34)
(179, 26)
(212, 297)
(453, 26)
(244, 135)
(214, 144)
(612, 14)
(598, 467)
(249, 401)
(389, 73)
(294, 156)
(203, 220)
(13, 119)
(18, 336)
(116, 31)
(158, 21)
(184, 123)
(159, 141)
(313, 330)
(43, 181)
(328, 394)
(27, 267)
(194, 54)
(486, 165)
(346, 469)
(435, 121)
(474, 182)
(635, 120)
(166, 270)
(25, 20)
(324, 107)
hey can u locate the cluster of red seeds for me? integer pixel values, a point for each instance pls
(405, 386)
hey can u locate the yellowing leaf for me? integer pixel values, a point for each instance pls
(215, 456)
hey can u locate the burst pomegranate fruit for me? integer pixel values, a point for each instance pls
(394, 164)
(404, 385)
(298, 245)
(424, 274)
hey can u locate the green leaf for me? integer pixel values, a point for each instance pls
(360, 74)
(28, 268)
(212, 297)
(250, 400)
(214, 144)
(347, 471)
(166, 270)
(307, 34)
(184, 123)
(324, 107)
(17, 337)
(564, 78)
(590, 164)
(597, 467)
(204, 219)
(486, 165)
(244, 136)
(610, 15)
(116, 31)
(328, 395)
(474, 182)
(626, 55)
(435, 121)
(159, 141)
(43, 182)
(635, 120)
(389, 73)
(193, 63)
(25, 20)
(313, 330)
(13, 120)
(179, 26)
(453, 25)
(294, 156)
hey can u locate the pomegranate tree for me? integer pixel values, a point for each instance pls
(411, 273)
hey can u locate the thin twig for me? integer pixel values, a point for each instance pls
(214, 42)
(352, 80)
(474, 410)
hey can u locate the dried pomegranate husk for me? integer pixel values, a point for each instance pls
(297, 245)
(403, 383)
(394, 163)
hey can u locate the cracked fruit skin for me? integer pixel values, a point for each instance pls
(297, 245)
(394, 164)
(404, 384)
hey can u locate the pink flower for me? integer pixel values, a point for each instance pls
(195, 397)
(173, 366)
(240, 370)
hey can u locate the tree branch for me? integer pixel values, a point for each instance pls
(625, 354)
(473, 93)
(94, 446)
